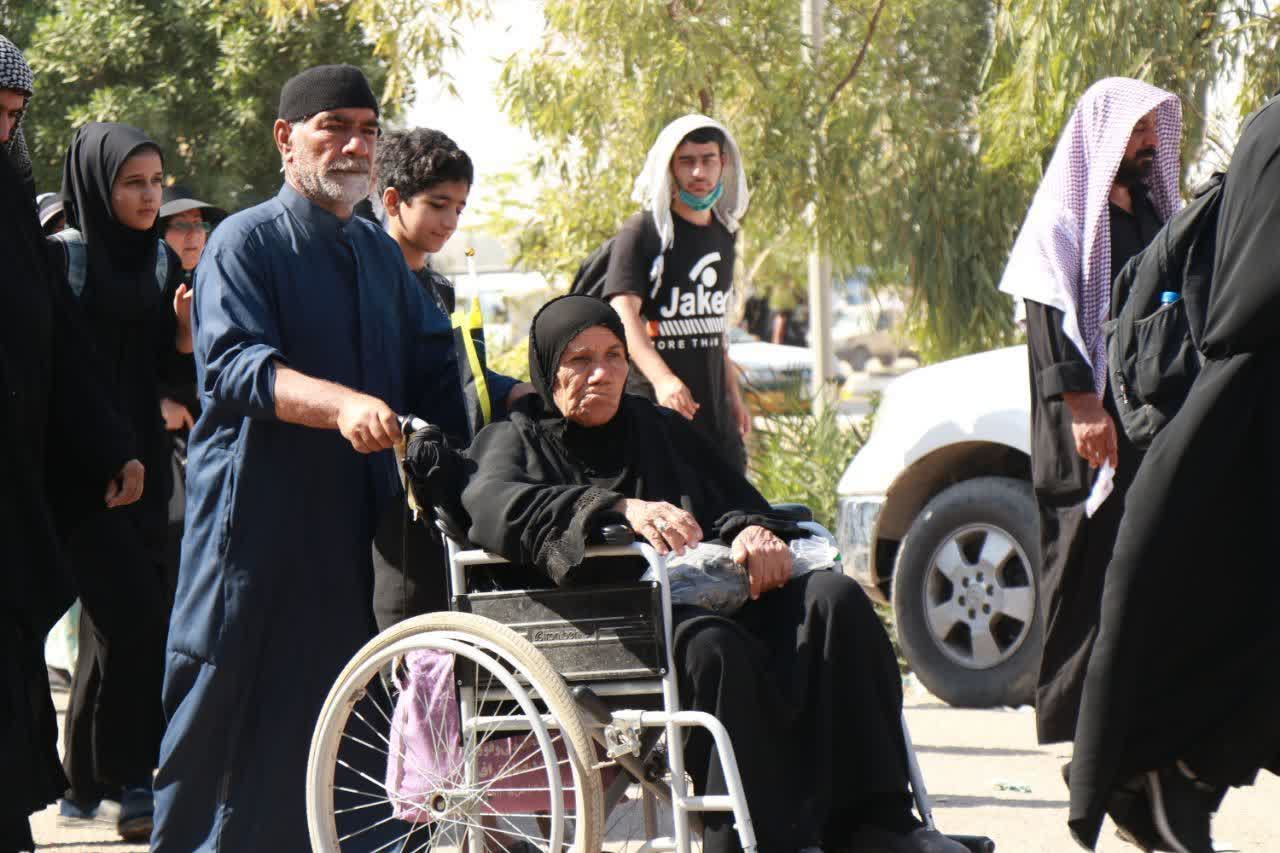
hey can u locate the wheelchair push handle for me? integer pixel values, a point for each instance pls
(409, 424)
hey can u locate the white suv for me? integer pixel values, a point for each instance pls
(937, 517)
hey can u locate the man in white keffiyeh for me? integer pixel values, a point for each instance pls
(1111, 184)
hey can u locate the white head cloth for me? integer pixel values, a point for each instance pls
(653, 187)
(1062, 257)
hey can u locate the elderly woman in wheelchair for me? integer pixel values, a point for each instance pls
(803, 676)
(468, 733)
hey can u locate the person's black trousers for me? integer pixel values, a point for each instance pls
(114, 718)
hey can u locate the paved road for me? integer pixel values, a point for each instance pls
(968, 756)
(986, 775)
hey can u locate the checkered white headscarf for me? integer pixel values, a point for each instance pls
(16, 74)
(1062, 257)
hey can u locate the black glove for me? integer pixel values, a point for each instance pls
(436, 474)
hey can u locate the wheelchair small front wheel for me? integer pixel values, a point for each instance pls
(451, 731)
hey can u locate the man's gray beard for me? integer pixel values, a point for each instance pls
(329, 187)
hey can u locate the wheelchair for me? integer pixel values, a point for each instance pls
(521, 720)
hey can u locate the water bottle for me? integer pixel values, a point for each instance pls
(1169, 297)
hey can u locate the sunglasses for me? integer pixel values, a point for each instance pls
(185, 227)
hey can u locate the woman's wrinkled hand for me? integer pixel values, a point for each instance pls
(666, 526)
(766, 557)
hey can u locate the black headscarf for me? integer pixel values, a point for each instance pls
(122, 261)
(600, 450)
(555, 325)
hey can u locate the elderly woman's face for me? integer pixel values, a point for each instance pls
(590, 378)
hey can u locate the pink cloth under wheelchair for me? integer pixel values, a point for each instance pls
(426, 749)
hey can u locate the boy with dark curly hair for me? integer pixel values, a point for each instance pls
(424, 179)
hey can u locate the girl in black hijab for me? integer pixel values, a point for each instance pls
(111, 185)
(803, 676)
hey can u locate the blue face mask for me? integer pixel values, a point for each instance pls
(703, 202)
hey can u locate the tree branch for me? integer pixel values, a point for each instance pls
(761, 256)
(853, 70)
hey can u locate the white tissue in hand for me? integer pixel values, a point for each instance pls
(1103, 485)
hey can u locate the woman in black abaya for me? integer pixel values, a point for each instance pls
(1182, 697)
(111, 185)
(58, 436)
(803, 676)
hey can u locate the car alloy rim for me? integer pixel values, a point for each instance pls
(979, 596)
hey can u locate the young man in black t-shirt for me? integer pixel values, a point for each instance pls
(670, 279)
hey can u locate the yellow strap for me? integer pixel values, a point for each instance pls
(469, 322)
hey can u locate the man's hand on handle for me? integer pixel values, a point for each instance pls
(1092, 428)
(368, 423)
(126, 486)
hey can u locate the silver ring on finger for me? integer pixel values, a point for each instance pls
(660, 525)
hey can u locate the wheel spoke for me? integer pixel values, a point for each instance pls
(362, 831)
(985, 650)
(506, 805)
(950, 560)
(996, 549)
(944, 617)
(1019, 603)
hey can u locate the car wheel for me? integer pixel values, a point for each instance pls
(887, 360)
(965, 594)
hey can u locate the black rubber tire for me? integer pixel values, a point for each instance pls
(887, 360)
(1004, 503)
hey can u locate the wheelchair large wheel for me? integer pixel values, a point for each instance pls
(495, 759)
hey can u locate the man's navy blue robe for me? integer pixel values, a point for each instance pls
(274, 594)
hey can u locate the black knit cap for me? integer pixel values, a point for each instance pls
(325, 87)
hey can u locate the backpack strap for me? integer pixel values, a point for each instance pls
(659, 263)
(655, 274)
(162, 265)
(75, 258)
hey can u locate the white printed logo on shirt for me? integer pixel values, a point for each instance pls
(692, 311)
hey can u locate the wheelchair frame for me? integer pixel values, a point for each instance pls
(627, 736)
(682, 802)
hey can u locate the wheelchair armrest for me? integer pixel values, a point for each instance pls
(612, 533)
(454, 523)
(793, 512)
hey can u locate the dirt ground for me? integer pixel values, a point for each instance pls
(984, 771)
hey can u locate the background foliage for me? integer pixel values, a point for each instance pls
(202, 77)
(930, 120)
